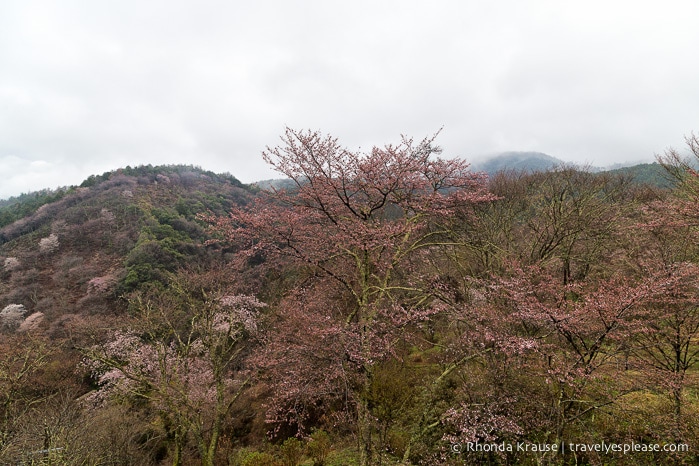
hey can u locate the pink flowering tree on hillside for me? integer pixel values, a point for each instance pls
(667, 343)
(666, 347)
(583, 333)
(357, 227)
(189, 371)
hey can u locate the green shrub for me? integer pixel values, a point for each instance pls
(348, 457)
(256, 458)
(292, 451)
(319, 447)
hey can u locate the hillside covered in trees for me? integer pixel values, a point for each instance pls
(382, 308)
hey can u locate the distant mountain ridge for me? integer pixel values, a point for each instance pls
(517, 161)
(275, 183)
(651, 174)
(513, 160)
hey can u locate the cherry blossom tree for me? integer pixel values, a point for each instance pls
(189, 371)
(666, 342)
(362, 223)
(582, 331)
(49, 244)
(11, 263)
(12, 316)
(665, 345)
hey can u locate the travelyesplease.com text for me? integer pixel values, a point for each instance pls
(602, 447)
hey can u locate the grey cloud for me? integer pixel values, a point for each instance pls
(90, 86)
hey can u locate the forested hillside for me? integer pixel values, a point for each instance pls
(382, 308)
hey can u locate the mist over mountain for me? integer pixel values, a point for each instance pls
(531, 162)
(517, 161)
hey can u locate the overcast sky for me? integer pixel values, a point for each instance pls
(90, 86)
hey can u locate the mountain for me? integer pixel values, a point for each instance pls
(75, 251)
(517, 161)
(652, 174)
(276, 183)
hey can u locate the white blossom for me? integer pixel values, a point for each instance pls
(11, 263)
(49, 244)
(12, 315)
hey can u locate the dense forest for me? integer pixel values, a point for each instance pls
(381, 308)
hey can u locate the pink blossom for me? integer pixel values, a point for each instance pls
(49, 244)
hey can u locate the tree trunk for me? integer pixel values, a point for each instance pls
(208, 456)
(364, 431)
(177, 455)
(179, 434)
(677, 398)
